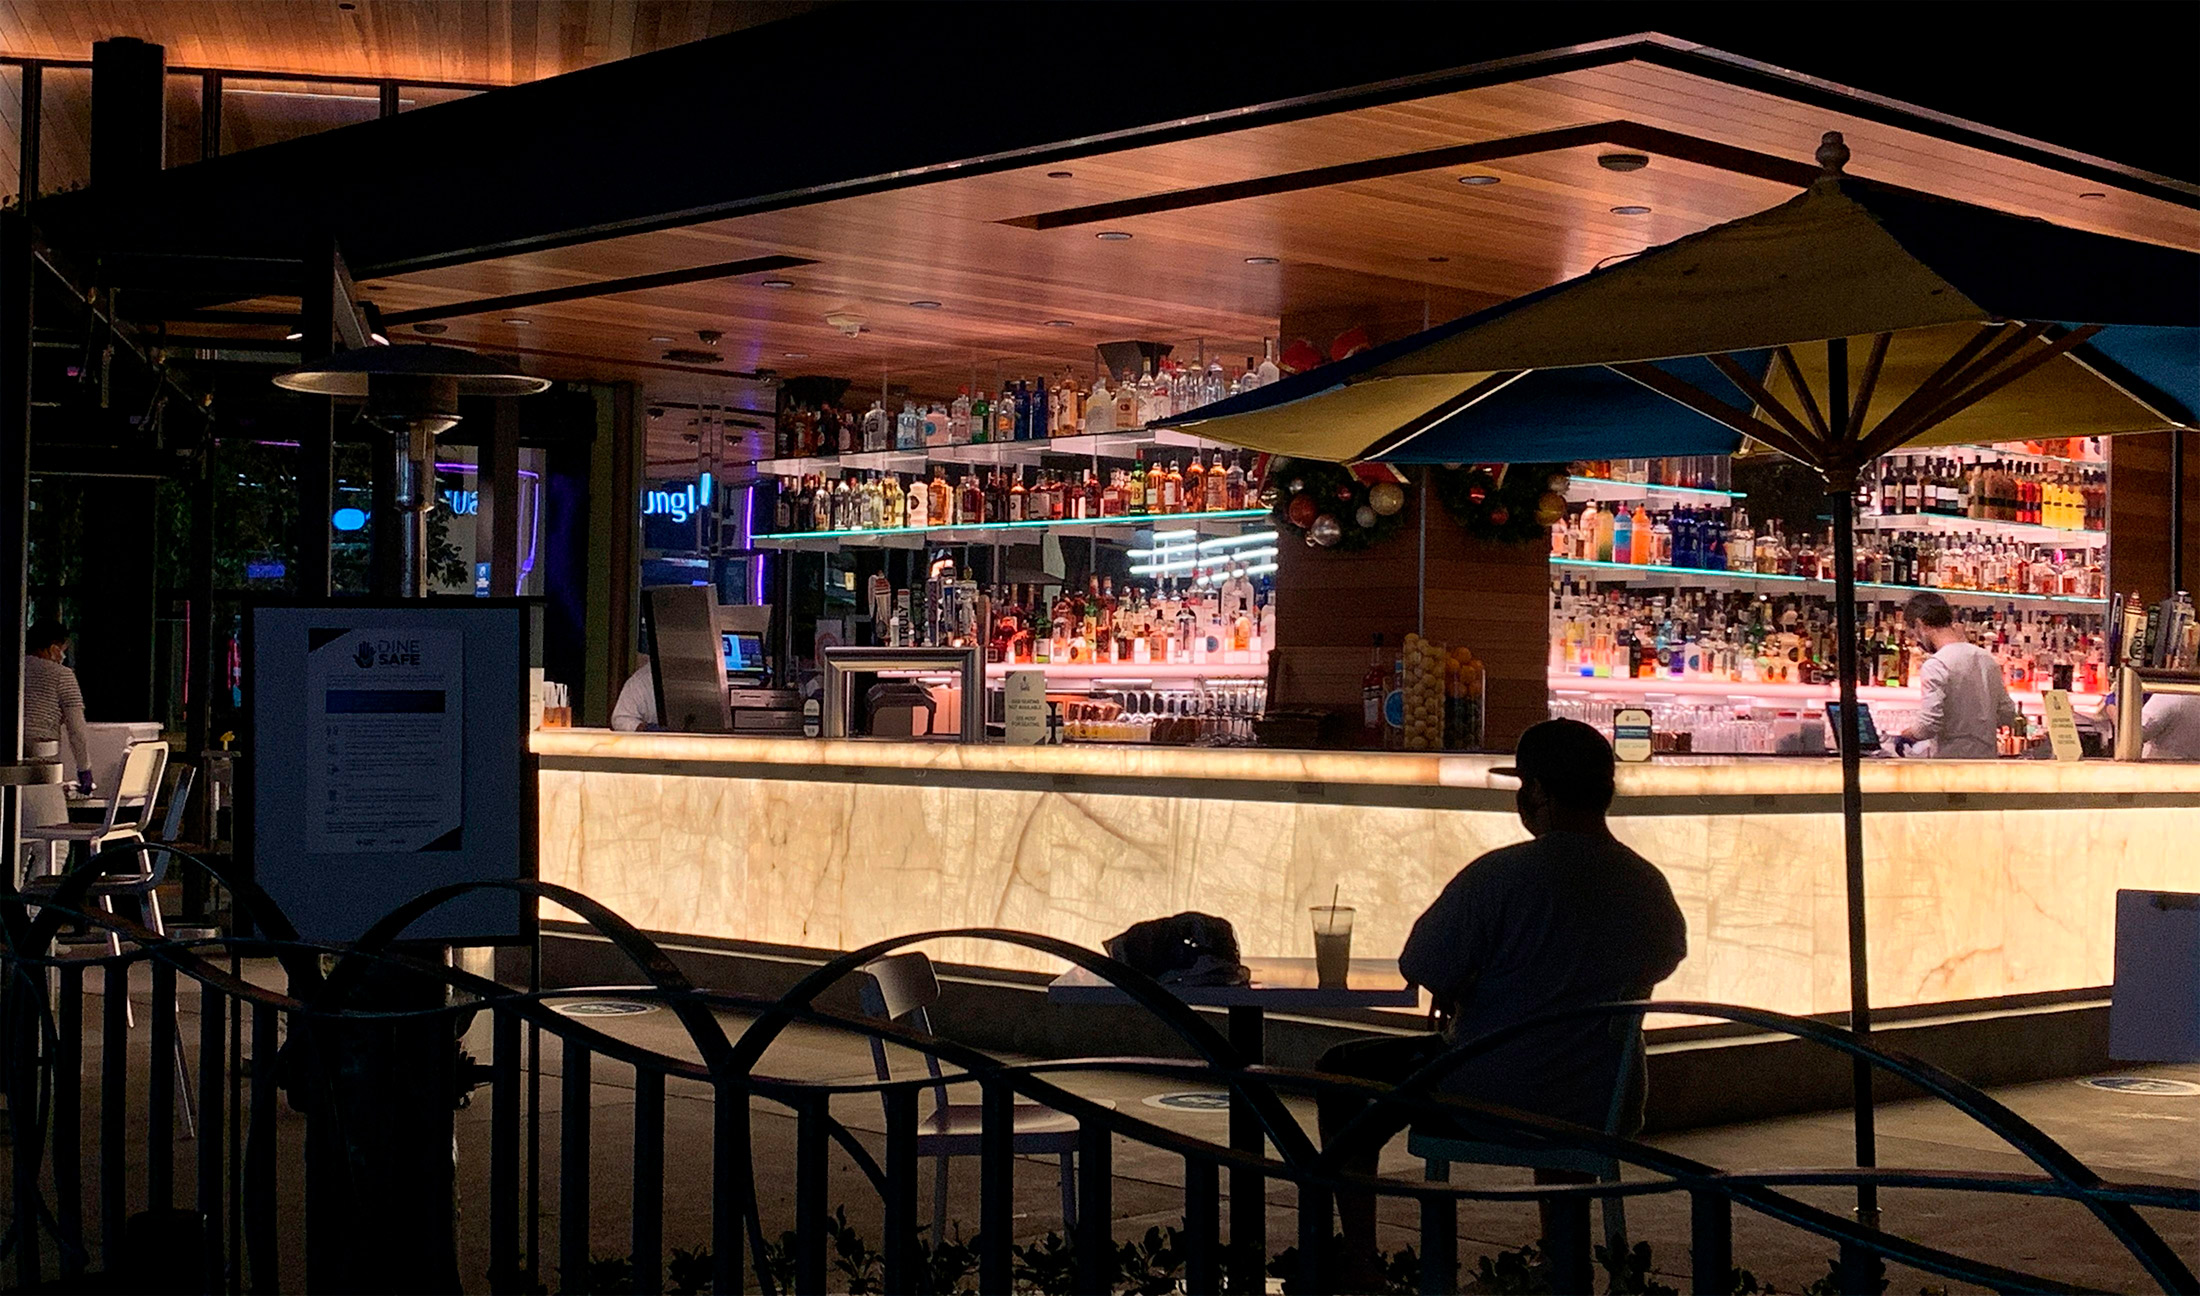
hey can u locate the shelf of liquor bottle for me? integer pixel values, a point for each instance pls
(1604, 488)
(1971, 454)
(1943, 524)
(917, 537)
(1763, 691)
(1095, 445)
(1136, 674)
(1768, 583)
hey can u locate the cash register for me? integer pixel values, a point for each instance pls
(713, 667)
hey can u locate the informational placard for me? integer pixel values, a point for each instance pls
(2062, 724)
(1631, 734)
(385, 755)
(1025, 707)
(382, 706)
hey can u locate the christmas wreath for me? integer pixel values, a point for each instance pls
(1328, 507)
(1504, 503)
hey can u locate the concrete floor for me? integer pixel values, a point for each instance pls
(2121, 1136)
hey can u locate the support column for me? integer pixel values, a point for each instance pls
(614, 555)
(129, 111)
(16, 272)
(317, 307)
(497, 527)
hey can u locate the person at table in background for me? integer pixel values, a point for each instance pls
(53, 710)
(1964, 703)
(636, 708)
(1566, 920)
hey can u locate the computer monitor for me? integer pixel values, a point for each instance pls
(744, 654)
(1867, 731)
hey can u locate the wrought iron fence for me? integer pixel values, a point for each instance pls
(228, 1230)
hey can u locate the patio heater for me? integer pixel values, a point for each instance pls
(411, 393)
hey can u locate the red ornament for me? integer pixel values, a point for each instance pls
(1344, 492)
(1499, 516)
(1302, 510)
(1477, 493)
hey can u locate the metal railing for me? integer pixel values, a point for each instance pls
(240, 1236)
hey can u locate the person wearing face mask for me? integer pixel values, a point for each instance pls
(1568, 919)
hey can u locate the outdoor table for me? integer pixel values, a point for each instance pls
(1280, 985)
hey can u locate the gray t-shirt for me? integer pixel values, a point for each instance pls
(1568, 919)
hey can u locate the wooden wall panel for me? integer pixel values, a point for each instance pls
(1491, 598)
(2138, 514)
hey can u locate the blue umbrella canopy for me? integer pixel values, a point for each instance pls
(1964, 318)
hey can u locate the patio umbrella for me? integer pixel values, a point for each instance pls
(1840, 325)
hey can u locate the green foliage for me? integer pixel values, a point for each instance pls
(1631, 1273)
(689, 1271)
(1521, 1271)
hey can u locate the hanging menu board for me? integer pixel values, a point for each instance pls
(386, 755)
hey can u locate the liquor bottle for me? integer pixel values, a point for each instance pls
(1134, 491)
(1195, 486)
(958, 418)
(1018, 499)
(1100, 408)
(916, 505)
(1371, 697)
(970, 506)
(1218, 486)
(1268, 371)
(939, 510)
(1126, 408)
(1623, 536)
(1641, 543)
(1007, 414)
(1172, 488)
(1234, 485)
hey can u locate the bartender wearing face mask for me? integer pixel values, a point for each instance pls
(1965, 703)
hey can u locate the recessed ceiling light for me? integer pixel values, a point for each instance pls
(2093, 194)
(1264, 260)
(1058, 175)
(659, 337)
(1623, 161)
(1061, 323)
(1439, 258)
(777, 283)
(295, 335)
(431, 329)
(925, 305)
(1478, 180)
(1112, 236)
(1630, 211)
(516, 322)
(794, 355)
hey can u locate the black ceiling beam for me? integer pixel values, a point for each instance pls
(1623, 134)
(597, 288)
(738, 123)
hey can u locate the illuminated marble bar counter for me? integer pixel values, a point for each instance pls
(1986, 879)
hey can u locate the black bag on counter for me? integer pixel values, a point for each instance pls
(1193, 949)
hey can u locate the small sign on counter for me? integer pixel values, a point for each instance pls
(2062, 724)
(1025, 707)
(1631, 734)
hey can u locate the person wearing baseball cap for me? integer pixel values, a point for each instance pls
(1566, 919)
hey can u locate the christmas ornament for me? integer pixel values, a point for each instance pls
(1340, 496)
(1502, 504)
(1269, 495)
(1325, 531)
(1549, 508)
(1477, 493)
(1302, 510)
(1365, 516)
(1386, 498)
(1344, 491)
(1297, 484)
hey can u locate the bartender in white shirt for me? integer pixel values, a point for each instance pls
(1964, 703)
(2169, 725)
(636, 708)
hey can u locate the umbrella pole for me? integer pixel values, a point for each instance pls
(1841, 495)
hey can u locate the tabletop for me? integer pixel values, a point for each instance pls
(1282, 984)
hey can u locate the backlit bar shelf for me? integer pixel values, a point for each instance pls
(998, 532)
(1137, 674)
(1770, 694)
(1759, 582)
(1603, 488)
(1942, 524)
(1100, 445)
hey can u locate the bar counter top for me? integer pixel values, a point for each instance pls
(1984, 879)
(1303, 775)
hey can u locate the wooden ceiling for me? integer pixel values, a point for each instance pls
(487, 42)
(1382, 230)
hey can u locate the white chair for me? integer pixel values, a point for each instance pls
(902, 988)
(135, 790)
(1438, 1152)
